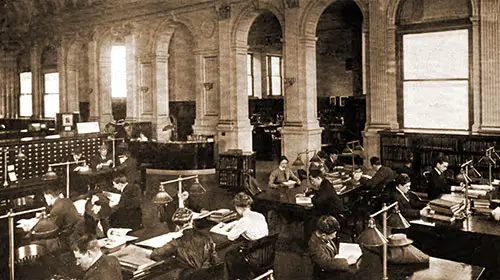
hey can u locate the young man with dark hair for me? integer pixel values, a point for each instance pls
(96, 265)
(128, 213)
(382, 177)
(193, 249)
(332, 161)
(436, 180)
(323, 249)
(408, 204)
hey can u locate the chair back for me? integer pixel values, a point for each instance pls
(259, 254)
(266, 275)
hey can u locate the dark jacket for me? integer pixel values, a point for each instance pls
(330, 164)
(65, 216)
(407, 207)
(380, 180)
(194, 248)
(97, 159)
(436, 185)
(326, 266)
(326, 201)
(128, 213)
(129, 167)
(105, 268)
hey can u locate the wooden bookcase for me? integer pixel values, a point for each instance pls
(395, 146)
(233, 167)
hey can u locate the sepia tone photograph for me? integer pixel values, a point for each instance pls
(249, 139)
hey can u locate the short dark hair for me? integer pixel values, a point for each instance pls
(375, 161)
(77, 150)
(121, 178)
(86, 242)
(402, 179)
(334, 152)
(282, 158)
(439, 159)
(327, 225)
(322, 154)
(242, 200)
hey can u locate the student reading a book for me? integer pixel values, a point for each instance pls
(195, 250)
(408, 202)
(323, 249)
(96, 265)
(252, 225)
(282, 174)
(436, 180)
(128, 213)
(102, 160)
(95, 218)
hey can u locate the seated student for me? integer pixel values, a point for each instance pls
(79, 185)
(408, 204)
(323, 248)
(128, 165)
(436, 181)
(96, 265)
(282, 174)
(128, 213)
(194, 249)
(382, 177)
(102, 160)
(332, 161)
(95, 218)
(252, 225)
(64, 214)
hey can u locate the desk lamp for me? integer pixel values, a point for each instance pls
(162, 195)
(10, 217)
(113, 140)
(491, 157)
(353, 148)
(299, 163)
(51, 175)
(5, 152)
(372, 237)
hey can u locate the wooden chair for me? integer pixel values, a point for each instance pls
(259, 255)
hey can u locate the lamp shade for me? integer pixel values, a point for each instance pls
(45, 228)
(162, 197)
(316, 158)
(371, 236)
(358, 150)
(196, 188)
(50, 175)
(298, 162)
(397, 221)
(347, 151)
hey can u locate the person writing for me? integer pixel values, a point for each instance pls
(382, 177)
(252, 225)
(408, 202)
(102, 160)
(282, 174)
(323, 249)
(96, 265)
(194, 249)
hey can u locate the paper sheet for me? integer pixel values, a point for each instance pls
(135, 257)
(114, 198)
(80, 206)
(159, 241)
(27, 224)
(349, 251)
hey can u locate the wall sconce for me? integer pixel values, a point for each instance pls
(289, 82)
(144, 89)
(208, 86)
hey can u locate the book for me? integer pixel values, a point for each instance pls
(114, 198)
(161, 240)
(442, 203)
(439, 217)
(349, 251)
(223, 228)
(135, 258)
(303, 200)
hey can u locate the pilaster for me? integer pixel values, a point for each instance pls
(36, 80)
(160, 63)
(93, 82)
(10, 89)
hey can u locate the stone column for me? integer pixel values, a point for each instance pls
(301, 129)
(207, 92)
(10, 88)
(476, 75)
(93, 83)
(72, 81)
(233, 130)
(62, 63)
(381, 98)
(36, 80)
(160, 64)
(490, 66)
(132, 85)
(104, 92)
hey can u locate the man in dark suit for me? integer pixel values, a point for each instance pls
(323, 249)
(332, 161)
(436, 180)
(128, 165)
(128, 213)
(382, 177)
(408, 204)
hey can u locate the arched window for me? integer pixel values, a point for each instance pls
(25, 99)
(118, 72)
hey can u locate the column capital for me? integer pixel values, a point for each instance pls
(222, 10)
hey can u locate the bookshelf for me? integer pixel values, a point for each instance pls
(232, 168)
(396, 145)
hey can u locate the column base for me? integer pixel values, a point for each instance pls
(234, 135)
(205, 127)
(371, 140)
(296, 139)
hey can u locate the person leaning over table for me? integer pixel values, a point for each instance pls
(282, 174)
(128, 213)
(382, 177)
(95, 218)
(96, 265)
(193, 249)
(323, 249)
(332, 161)
(408, 203)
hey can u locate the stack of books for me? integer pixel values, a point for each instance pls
(445, 210)
(222, 215)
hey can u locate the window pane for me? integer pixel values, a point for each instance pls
(275, 66)
(249, 64)
(250, 86)
(436, 55)
(441, 105)
(276, 84)
(118, 72)
(25, 105)
(25, 78)
(52, 83)
(51, 105)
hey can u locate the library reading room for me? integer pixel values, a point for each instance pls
(250, 139)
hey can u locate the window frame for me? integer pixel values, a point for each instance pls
(251, 74)
(421, 28)
(50, 70)
(270, 76)
(118, 98)
(21, 93)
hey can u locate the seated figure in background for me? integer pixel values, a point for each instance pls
(282, 174)
(382, 177)
(323, 249)
(194, 250)
(102, 160)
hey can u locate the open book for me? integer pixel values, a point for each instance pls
(349, 251)
(116, 238)
(223, 228)
(159, 241)
(135, 258)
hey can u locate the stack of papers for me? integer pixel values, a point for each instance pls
(223, 228)
(116, 238)
(161, 240)
(303, 200)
